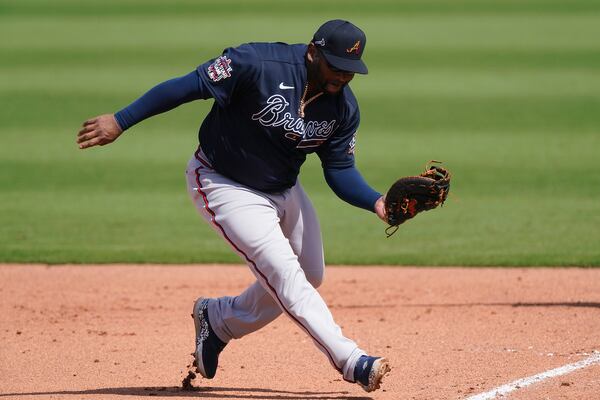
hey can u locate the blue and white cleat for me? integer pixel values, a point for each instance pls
(208, 345)
(369, 371)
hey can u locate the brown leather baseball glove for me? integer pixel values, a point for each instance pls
(410, 195)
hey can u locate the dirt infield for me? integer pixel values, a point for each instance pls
(116, 332)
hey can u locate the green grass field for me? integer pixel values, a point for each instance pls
(506, 92)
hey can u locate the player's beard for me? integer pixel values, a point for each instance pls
(336, 85)
(317, 83)
(328, 87)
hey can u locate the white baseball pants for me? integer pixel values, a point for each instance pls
(278, 236)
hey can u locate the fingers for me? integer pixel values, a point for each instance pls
(380, 208)
(91, 136)
(97, 131)
(85, 130)
(91, 121)
(85, 136)
(91, 142)
(88, 138)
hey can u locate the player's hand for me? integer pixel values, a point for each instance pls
(380, 209)
(99, 131)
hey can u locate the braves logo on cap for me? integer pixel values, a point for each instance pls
(355, 48)
(342, 45)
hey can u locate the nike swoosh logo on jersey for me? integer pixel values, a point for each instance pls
(282, 86)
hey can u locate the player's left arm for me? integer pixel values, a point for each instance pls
(380, 208)
(337, 158)
(349, 185)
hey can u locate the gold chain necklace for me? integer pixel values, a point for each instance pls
(303, 103)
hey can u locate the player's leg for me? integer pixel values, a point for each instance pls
(250, 223)
(238, 316)
(254, 308)
(301, 226)
(231, 317)
(217, 321)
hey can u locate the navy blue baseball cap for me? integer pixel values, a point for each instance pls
(342, 43)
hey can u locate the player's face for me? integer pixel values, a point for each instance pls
(328, 78)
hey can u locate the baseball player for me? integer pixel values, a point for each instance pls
(274, 103)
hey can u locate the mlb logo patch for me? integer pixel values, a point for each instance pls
(220, 69)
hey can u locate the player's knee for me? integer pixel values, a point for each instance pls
(315, 277)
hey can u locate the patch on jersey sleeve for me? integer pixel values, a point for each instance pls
(352, 144)
(220, 69)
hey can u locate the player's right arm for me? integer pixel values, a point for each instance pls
(99, 131)
(105, 129)
(219, 78)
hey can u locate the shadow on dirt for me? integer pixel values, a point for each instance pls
(202, 392)
(582, 304)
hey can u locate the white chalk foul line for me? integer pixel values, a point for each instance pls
(518, 384)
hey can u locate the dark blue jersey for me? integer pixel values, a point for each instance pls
(254, 133)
